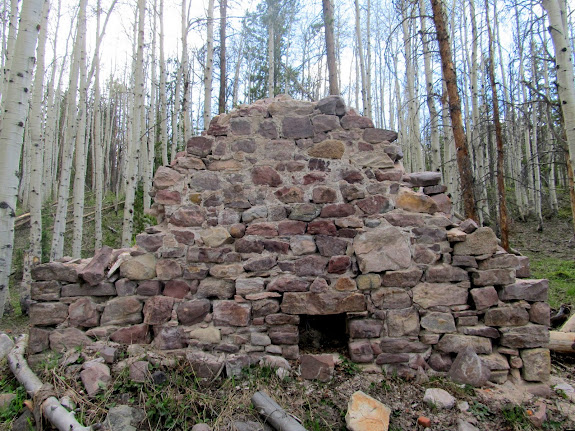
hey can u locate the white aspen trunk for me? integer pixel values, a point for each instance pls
(37, 140)
(368, 58)
(208, 71)
(57, 248)
(534, 147)
(185, 74)
(133, 153)
(236, 85)
(450, 170)
(564, 65)
(24, 187)
(433, 116)
(271, 68)
(163, 101)
(151, 134)
(416, 156)
(80, 160)
(361, 59)
(10, 44)
(175, 116)
(98, 148)
(14, 116)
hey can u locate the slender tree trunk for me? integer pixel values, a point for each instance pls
(503, 223)
(80, 162)
(186, 117)
(223, 71)
(208, 71)
(133, 154)
(271, 60)
(433, 116)
(361, 60)
(236, 85)
(14, 116)
(463, 160)
(98, 146)
(163, 101)
(330, 47)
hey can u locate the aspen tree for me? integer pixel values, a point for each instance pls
(134, 144)
(185, 73)
(361, 60)
(330, 47)
(223, 86)
(14, 116)
(98, 146)
(162, 91)
(557, 16)
(208, 69)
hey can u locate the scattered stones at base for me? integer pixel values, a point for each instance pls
(124, 418)
(439, 398)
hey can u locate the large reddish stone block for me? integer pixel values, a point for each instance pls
(265, 175)
(95, 271)
(231, 313)
(322, 303)
(136, 334)
(158, 310)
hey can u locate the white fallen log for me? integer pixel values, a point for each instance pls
(569, 326)
(52, 410)
(563, 342)
(273, 414)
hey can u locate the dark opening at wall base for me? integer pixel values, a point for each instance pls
(323, 334)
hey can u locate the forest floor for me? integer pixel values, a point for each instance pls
(182, 400)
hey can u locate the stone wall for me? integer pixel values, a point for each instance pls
(287, 209)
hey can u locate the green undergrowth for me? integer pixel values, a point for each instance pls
(561, 276)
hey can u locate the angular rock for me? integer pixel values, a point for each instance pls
(297, 127)
(228, 271)
(540, 313)
(429, 295)
(402, 322)
(158, 310)
(402, 345)
(480, 331)
(304, 212)
(48, 313)
(168, 269)
(188, 216)
(506, 316)
(137, 334)
(502, 260)
(480, 242)
(495, 362)
(288, 283)
(439, 398)
(491, 277)
(391, 298)
(328, 149)
(215, 237)
(95, 377)
(142, 267)
(440, 361)
(332, 105)
(317, 367)
(322, 303)
(525, 337)
(365, 328)
(55, 271)
(423, 179)
(95, 271)
(439, 323)
(166, 177)
(468, 369)
(536, 365)
(204, 365)
(528, 290)
(324, 195)
(126, 310)
(149, 288)
(382, 249)
(215, 288)
(417, 202)
(67, 338)
(403, 278)
(443, 273)
(139, 371)
(360, 352)
(377, 204)
(375, 160)
(310, 266)
(454, 343)
(200, 146)
(45, 290)
(365, 413)
(484, 297)
(350, 121)
(338, 264)
(168, 338)
(231, 313)
(102, 289)
(265, 175)
(84, 313)
(291, 227)
(368, 281)
(125, 287)
(375, 136)
(178, 288)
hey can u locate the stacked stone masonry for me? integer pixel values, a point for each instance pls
(287, 209)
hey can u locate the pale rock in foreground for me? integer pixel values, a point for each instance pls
(439, 398)
(365, 413)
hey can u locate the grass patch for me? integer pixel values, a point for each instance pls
(561, 276)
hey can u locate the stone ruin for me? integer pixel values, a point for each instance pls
(292, 220)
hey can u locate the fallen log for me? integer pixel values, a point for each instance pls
(273, 414)
(569, 326)
(51, 408)
(563, 342)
